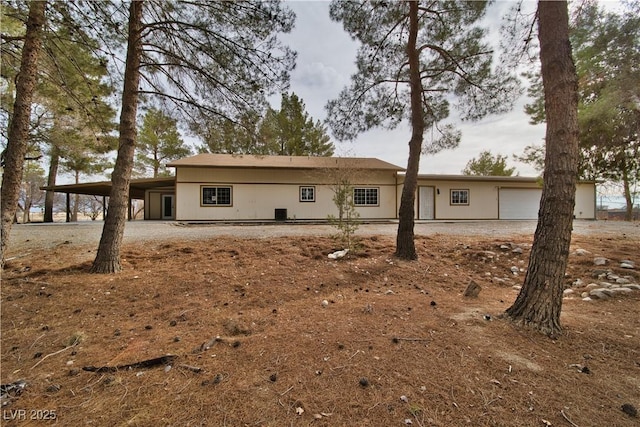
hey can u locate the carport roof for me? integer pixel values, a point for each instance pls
(103, 188)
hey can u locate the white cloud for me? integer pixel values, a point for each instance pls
(319, 75)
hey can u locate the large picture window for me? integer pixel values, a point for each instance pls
(216, 196)
(308, 194)
(459, 197)
(366, 197)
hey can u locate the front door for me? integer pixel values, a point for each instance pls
(168, 206)
(426, 205)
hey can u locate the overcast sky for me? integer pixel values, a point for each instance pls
(326, 60)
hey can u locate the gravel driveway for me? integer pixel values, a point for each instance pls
(29, 237)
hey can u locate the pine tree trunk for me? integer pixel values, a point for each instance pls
(54, 162)
(405, 245)
(108, 256)
(76, 201)
(628, 214)
(540, 300)
(18, 132)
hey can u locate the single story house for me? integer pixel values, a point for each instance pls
(225, 187)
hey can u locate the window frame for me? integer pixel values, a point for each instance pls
(216, 205)
(313, 193)
(367, 190)
(459, 190)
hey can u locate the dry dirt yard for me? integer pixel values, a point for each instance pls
(268, 331)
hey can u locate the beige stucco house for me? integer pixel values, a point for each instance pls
(225, 187)
(247, 187)
(460, 197)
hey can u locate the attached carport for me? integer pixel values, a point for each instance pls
(137, 190)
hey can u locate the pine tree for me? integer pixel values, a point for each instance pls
(18, 134)
(210, 59)
(415, 57)
(539, 302)
(488, 165)
(158, 142)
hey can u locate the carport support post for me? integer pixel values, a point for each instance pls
(130, 216)
(104, 207)
(68, 207)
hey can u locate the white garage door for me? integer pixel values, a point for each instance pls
(519, 203)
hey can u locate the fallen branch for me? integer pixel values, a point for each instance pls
(397, 339)
(57, 352)
(567, 418)
(286, 391)
(33, 343)
(149, 363)
(195, 369)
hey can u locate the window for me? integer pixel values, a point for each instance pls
(216, 196)
(365, 196)
(459, 197)
(307, 194)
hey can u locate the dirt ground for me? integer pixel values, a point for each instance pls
(271, 332)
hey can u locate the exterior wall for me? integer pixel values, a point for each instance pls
(153, 202)
(484, 198)
(257, 193)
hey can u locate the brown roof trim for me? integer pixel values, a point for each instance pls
(478, 178)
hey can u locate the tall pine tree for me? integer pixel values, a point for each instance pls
(415, 57)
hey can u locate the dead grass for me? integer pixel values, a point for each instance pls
(397, 342)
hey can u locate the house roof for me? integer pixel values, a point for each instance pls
(103, 188)
(482, 178)
(282, 162)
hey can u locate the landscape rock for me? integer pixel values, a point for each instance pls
(623, 281)
(627, 264)
(621, 290)
(582, 252)
(473, 289)
(632, 286)
(568, 292)
(517, 250)
(630, 410)
(600, 273)
(598, 294)
(600, 261)
(338, 254)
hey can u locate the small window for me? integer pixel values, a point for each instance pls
(308, 194)
(459, 197)
(216, 196)
(365, 197)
